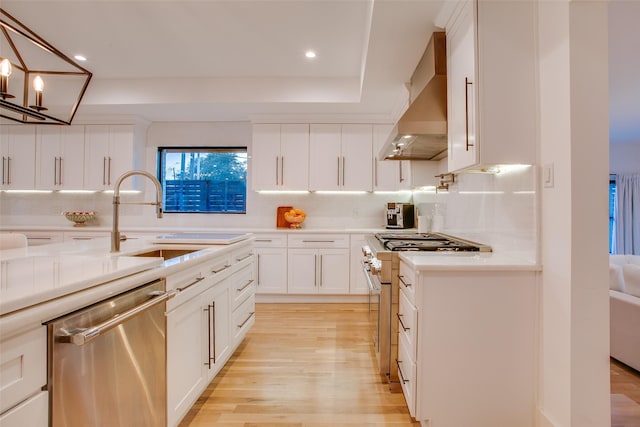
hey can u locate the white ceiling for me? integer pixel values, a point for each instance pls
(222, 60)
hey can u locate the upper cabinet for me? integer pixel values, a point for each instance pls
(59, 157)
(491, 84)
(18, 148)
(280, 157)
(388, 175)
(341, 157)
(108, 154)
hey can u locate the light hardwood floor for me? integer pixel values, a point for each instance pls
(306, 365)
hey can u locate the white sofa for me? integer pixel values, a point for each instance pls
(624, 300)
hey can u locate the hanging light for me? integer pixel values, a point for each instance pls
(26, 55)
(38, 87)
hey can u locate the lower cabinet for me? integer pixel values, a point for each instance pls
(318, 271)
(485, 324)
(213, 312)
(33, 412)
(23, 373)
(271, 263)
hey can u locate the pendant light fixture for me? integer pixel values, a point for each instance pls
(28, 65)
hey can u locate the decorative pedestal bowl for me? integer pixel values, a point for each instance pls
(295, 221)
(79, 217)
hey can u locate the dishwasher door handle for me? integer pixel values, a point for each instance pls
(81, 336)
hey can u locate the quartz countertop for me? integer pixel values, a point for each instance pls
(38, 274)
(469, 261)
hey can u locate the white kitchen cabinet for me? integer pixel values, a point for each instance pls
(33, 412)
(271, 263)
(318, 264)
(85, 235)
(216, 310)
(357, 283)
(388, 175)
(60, 157)
(483, 323)
(38, 238)
(18, 149)
(491, 84)
(108, 154)
(341, 157)
(280, 157)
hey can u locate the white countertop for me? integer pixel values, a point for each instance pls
(38, 274)
(469, 261)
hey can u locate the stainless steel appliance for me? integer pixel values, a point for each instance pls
(381, 265)
(107, 363)
(400, 215)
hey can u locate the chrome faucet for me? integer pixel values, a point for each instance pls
(115, 233)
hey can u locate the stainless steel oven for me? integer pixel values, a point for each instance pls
(381, 266)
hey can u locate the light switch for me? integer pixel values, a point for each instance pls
(547, 175)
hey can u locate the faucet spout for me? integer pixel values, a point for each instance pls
(115, 233)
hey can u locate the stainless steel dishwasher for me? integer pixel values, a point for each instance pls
(107, 362)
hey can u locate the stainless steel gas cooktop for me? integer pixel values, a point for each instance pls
(428, 242)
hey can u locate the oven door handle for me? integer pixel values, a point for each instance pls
(374, 287)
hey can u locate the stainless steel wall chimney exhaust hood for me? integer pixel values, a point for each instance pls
(421, 132)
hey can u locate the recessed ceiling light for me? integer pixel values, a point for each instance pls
(80, 58)
(310, 54)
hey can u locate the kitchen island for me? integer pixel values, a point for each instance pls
(39, 284)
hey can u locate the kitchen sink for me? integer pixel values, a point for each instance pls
(166, 253)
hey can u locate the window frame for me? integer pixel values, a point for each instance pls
(161, 168)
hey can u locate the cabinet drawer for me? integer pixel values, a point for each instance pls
(84, 235)
(23, 366)
(243, 318)
(407, 281)
(318, 241)
(408, 324)
(407, 374)
(270, 240)
(33, 412)
(243, 285)
(218, 268)
(242, 254)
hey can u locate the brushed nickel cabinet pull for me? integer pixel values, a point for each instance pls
(467, 83)
(258, 271)
(245, 286)
(246, 320)
(220, 269)
(402, 378)
(211, 325)
(404, 328)
(198, 279)
(401, 278)
(244, 257)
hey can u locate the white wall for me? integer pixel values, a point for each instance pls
(574, 371)
(624, 158)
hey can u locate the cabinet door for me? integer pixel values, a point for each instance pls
(325, 172)
(333, 271)
(60, 158)
(216, 318)
(108, 154)
(18, 147)
(185, 364)
(385, 172)
(265, 157)
(33, 412)
(462, 87)
(303, 271)
(294, 159)
(120, 155)
(357, 157)
(271, 270)
(96, 157)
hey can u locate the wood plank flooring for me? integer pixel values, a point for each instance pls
(625, 395)
(311, 365)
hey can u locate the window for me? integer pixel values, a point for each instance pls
(212, 180)
(612, 211)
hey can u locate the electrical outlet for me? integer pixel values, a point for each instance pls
(355, 213)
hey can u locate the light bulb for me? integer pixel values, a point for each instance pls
(38, 84)
(5, 68)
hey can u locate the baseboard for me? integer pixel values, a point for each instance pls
(312, 298)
